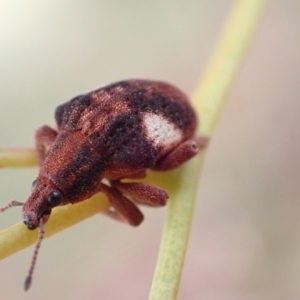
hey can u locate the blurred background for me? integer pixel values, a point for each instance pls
(245, 241)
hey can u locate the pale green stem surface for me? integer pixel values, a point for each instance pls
(17, 158)
(18, 237)
(208, 100)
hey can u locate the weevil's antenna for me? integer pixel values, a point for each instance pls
(28, 279)
(10, 204)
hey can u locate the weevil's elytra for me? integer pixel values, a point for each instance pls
(115, 132)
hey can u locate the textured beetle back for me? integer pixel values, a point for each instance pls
(133, 122)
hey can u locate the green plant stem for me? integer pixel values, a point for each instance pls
(17, 158)
(209, 99)
(18, 237)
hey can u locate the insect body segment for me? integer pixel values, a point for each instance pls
(115, 132)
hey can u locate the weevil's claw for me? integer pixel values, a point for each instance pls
(202, 141)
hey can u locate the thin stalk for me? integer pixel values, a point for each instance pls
(17, 158)
(209, 99)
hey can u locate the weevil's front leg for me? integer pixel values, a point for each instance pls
(124, 209)
(44, 138)
(181, 154)
(142, 193)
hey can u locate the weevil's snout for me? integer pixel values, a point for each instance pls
(29, 222)
(30, 226)
(32, 220)
(38, 207)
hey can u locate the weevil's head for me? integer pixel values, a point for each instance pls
(44, 197)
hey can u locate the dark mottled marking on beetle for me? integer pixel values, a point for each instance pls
(122, 138)
(158, 98)
(68, 114)
(158, 104)
(59, 114)
(80, 170)
(88, 166)
(124, 142)
(141, 96)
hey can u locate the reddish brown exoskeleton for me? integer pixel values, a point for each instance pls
(115, 132)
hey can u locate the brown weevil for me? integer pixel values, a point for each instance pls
(115, 132)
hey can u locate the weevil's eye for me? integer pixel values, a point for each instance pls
(54, 199)
(33, 184)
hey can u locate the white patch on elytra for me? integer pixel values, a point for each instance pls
(161, 131)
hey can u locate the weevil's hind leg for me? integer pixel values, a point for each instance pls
(181, 154)
(142, 193)
(44, 138)
(123, 209)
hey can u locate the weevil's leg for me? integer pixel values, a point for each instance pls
(124, 209)
(201, 141)
(142, 193)
(138, 175)
(181, 154)
(44, 138)
(111, 213)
